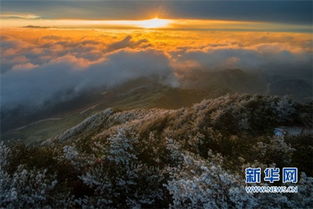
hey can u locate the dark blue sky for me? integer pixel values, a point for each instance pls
(283, 11)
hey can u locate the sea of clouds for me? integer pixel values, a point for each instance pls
(55, 68)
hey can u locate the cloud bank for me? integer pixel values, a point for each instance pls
(45, 68)
(33, 79)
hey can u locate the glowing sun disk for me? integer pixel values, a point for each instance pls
(153, 23)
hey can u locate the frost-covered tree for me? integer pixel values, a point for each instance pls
(284, 108)
(119, 179)
(207, 185)
(25, 188)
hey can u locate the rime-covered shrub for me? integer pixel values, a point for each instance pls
(284, 109)
(119, 179)
(27, 188)
(207, 185)
(276, 150)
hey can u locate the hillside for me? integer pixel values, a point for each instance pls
(29, 125)
(161, 158)
(37, 124)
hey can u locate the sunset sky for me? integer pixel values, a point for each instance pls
(83, 44)
(270, 15)
(291, 11)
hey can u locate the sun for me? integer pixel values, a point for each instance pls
(154, 23)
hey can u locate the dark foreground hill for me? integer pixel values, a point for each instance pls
(192, 157)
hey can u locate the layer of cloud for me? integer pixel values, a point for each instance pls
(266, 58)
(18, 16)
(55, 67)
(41, 76)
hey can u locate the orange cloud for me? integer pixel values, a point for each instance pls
(26, 66)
